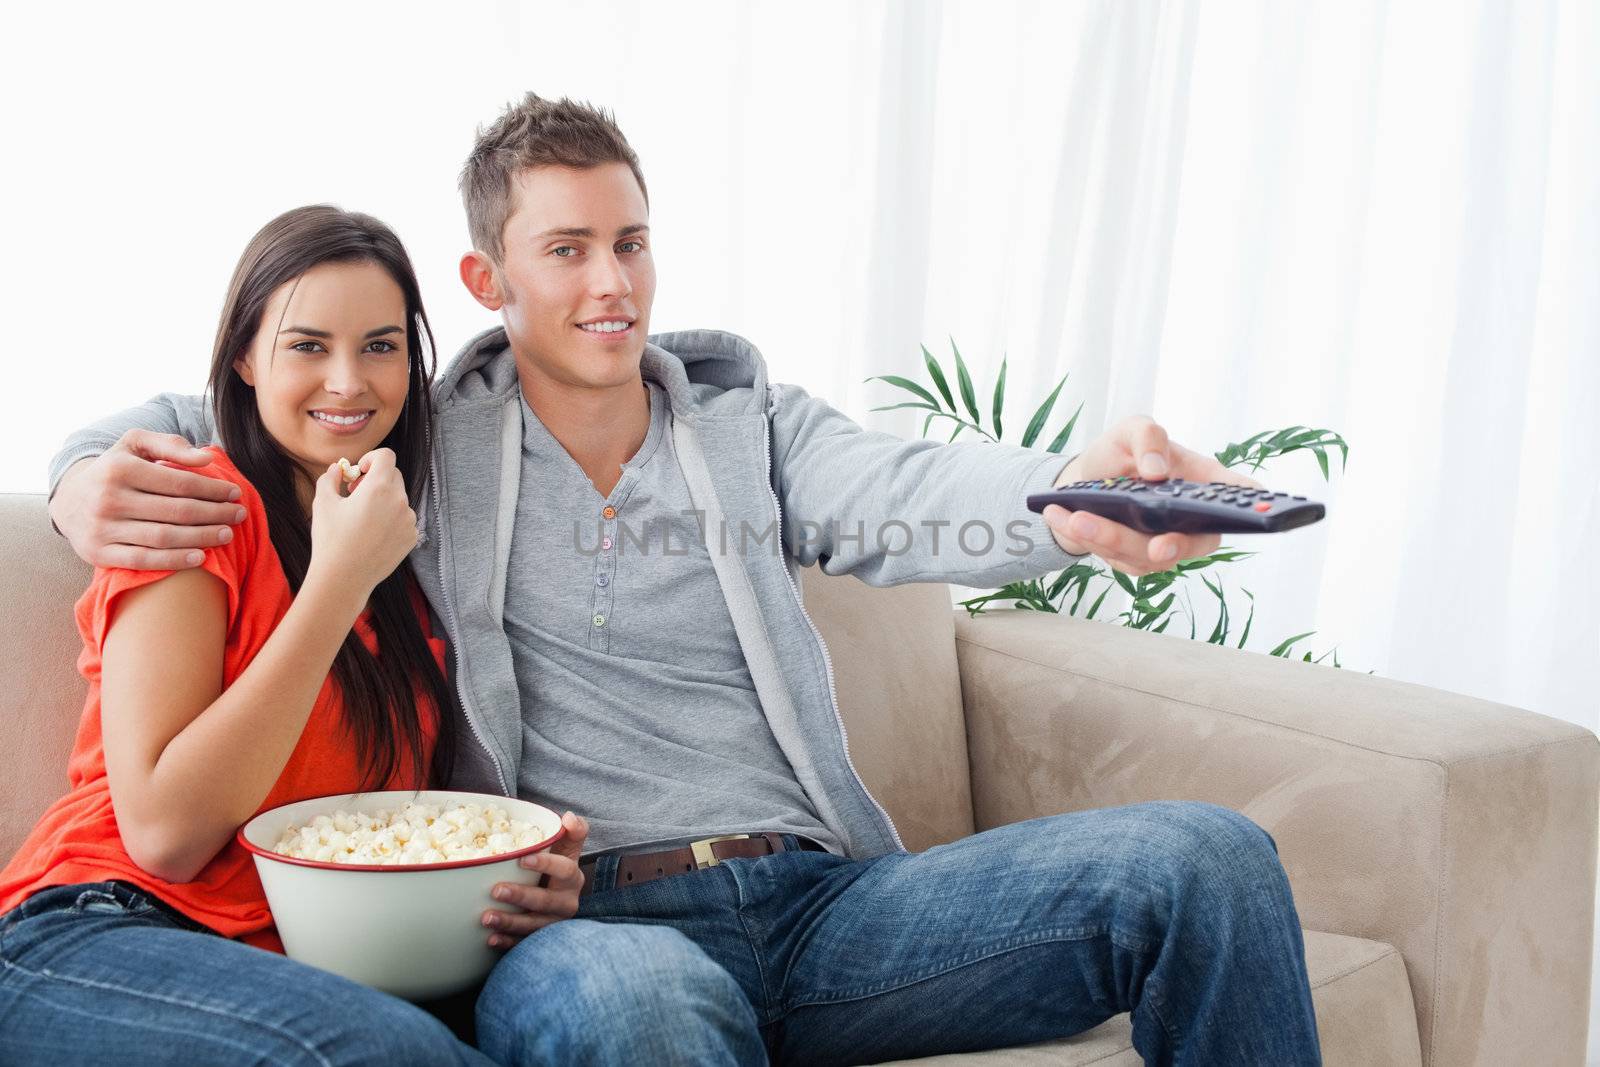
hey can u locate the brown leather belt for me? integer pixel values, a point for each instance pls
(695, 856)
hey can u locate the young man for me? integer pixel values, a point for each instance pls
(611, 543)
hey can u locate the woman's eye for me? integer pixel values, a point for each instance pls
(382, 347)
(305, 346)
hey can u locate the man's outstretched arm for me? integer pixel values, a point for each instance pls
(889, 510)
(119, 506)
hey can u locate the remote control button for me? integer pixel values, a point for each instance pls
(1242, 504)
(1299, 498)
(1263, 507)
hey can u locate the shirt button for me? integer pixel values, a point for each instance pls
(609, 512)
(603, 581)
(599, 620)
(605, 542)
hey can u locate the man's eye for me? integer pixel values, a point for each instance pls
(636, 246)
(564, 248)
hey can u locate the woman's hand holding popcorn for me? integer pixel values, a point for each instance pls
(358, 540)
(553, 899)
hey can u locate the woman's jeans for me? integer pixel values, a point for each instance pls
(103, 973)
(1176, 911)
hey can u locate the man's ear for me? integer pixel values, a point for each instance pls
(246, 370)
(478, 275)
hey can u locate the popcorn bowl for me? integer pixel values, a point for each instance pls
(411, 930)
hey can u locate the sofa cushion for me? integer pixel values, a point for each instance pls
(1359, 988)
(41, 692)
(894, 664)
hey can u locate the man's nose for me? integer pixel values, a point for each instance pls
(608, 280)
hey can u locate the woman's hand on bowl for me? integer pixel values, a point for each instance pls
(553, 899)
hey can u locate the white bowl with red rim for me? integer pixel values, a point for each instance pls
(415, 931)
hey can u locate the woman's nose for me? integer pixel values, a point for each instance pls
(344, 381)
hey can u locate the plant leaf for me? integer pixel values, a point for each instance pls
(1066, 432)
(1036, 423)
(938, 377)
(999, 398)
(908, 385)
(897, 407)
(1283, 649)
(968, 396)
(1251, 617)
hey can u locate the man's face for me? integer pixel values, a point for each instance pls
(576, 277)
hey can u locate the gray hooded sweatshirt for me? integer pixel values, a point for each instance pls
(755, 457)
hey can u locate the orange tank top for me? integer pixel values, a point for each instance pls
(77, 839)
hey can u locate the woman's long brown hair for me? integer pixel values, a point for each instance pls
(381, 693)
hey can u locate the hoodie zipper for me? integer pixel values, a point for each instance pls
(453, 629)
(822, 646)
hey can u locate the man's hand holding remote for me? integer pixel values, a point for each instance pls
(1138, 448)
(125, 509)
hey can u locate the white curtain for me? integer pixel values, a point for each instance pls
(1375, 218)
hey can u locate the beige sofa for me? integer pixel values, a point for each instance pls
(1441, 848)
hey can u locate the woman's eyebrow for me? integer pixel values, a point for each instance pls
(310, 331)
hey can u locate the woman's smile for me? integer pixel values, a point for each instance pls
(342, 422)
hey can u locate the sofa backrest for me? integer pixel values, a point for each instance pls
(893, 654)
(41, 692)
(895, 670)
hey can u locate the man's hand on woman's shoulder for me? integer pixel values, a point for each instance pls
(1137, 447)
(125, 509)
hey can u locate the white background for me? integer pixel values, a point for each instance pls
(1377, 218)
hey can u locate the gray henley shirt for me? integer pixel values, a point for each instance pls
(639, 712)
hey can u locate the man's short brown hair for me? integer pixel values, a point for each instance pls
(534, 133)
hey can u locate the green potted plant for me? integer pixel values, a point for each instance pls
(1153, 596)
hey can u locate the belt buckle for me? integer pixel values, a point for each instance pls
(703, 856)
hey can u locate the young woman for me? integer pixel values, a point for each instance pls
(295, 662)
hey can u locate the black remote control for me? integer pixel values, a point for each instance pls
(1156, 507)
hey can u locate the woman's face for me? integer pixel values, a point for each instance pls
(329, 363)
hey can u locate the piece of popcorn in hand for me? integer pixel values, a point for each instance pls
(350, 471)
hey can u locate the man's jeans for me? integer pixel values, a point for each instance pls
(102, 973)
(1176, 911)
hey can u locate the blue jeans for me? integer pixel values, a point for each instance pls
(102, 972)
(1176, 911)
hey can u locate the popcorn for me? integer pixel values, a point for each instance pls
(350, 471)
(412, 834)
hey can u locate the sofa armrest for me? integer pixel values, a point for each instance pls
(1461, 831)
